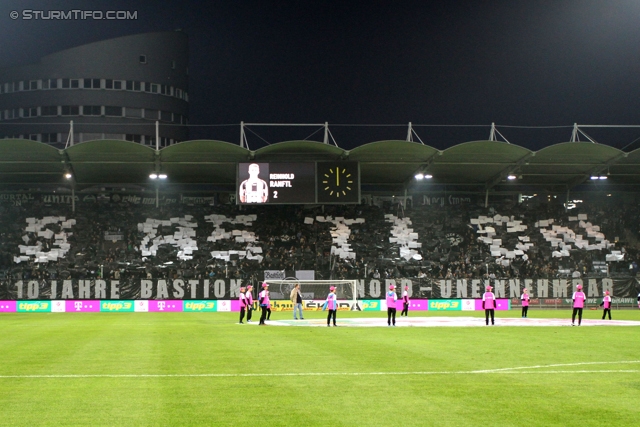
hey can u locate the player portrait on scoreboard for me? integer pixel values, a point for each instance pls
(253, 189)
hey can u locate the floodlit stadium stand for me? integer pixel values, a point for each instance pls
(468, 222)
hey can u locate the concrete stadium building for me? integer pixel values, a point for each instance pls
(130, 88)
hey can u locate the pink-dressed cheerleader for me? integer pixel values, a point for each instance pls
(606, 304)
(489, 305)
(265, 304)
(391, 305)
(331, 304)
(243, 303)
(578, 304)
(405, 302)
(525, 302)
(249, 296)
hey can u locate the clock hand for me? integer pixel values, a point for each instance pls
(338, 176)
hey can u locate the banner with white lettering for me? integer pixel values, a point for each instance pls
(210, 289)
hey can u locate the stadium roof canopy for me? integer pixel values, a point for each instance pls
(384, 165)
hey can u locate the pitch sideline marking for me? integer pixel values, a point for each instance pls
(557, 365)
(515, 370)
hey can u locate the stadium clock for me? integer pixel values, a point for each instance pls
(338, 182)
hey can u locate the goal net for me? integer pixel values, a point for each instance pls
(313, 289)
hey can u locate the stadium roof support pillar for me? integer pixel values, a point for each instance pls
(486, 198)
(575, 135)
(493, 132)
(157, 168)
(411, 133)
(242, 136)
(70, 137)
(72, 180)
(326, 133)
(157, 136)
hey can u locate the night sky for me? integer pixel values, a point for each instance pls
(516, 63)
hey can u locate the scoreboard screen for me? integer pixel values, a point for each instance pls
(298, 183)
(276, 183)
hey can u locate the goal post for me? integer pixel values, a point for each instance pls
(316, 289)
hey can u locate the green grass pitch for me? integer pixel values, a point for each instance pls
(163, 369)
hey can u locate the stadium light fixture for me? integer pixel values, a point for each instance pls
(68, 175)
(153, 176)
(511, 177)
(602, 177)
(162, 176)
(421, 175)
(593, 178)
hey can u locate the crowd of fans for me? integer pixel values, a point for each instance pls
(450, 248)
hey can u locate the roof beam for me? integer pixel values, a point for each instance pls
(420, 162)
(423, 168)
(507, 171)
(22, 162)
(108, 162)
(68, 165)
(56, 173)
(596, 171)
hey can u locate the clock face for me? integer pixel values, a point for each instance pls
(338, 182)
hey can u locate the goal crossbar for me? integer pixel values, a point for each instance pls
(351, 286)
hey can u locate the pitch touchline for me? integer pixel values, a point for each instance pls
(310, 374)
(553, 366)
(515, 370)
